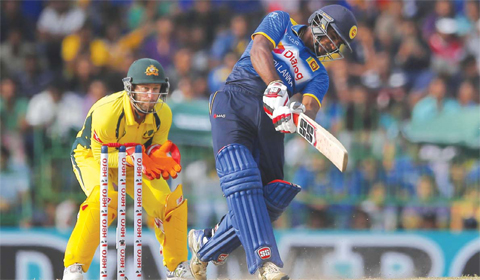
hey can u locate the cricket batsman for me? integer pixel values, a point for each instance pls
(249, 117)
(138, 114)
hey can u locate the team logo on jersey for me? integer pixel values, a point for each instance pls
(96, 138)
(353, 32)
(218, 116)
(279, 49)
(313, 64)
(151, 70)
(264, 253)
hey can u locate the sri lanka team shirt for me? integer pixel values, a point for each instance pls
(297, 66)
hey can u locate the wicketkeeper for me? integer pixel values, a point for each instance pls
(137, 114)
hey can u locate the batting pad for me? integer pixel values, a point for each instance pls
(278, 195)
(242, 186)
(221, 244)
(175, 227)
(85, 237)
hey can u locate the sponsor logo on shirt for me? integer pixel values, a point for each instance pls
(294, 62)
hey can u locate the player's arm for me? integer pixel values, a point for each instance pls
(311, 105)
(103, 132)
(262, 58)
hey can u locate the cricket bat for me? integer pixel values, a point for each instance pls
(322, 140)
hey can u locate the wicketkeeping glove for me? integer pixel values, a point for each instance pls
(149, 168)
(275, 96)
(170, 165)
(283, 117)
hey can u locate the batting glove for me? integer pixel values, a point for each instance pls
(275, 96)
(283, 117)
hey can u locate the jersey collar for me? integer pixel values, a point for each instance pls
(130, 119)
(296, 28)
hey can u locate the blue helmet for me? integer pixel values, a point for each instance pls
(340, 18)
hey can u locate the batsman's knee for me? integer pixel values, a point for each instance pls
(237, 169)
(278, 194)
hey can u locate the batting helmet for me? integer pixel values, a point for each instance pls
(339, 18)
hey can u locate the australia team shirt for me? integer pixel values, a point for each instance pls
(297, 65)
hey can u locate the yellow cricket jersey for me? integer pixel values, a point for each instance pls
(111, 120)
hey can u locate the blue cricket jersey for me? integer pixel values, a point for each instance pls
(297, 66)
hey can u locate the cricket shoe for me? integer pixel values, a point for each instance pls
(180, 273)
(270, 271)
(73, 272)
(196, 240)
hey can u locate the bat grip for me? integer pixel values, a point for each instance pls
(295, 118)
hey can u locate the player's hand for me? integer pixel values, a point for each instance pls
(275, 96)
(170, 165)
(283, 117)
(149, 168)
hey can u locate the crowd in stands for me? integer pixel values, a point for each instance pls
(412, 61)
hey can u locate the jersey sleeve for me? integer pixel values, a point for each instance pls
(103, 132)
(317, 88)
(273, 26)
(161, 136)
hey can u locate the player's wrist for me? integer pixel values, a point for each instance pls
(275, 81)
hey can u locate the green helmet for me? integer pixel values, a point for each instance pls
(146, 71)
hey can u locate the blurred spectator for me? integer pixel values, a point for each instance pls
(13, 52)
(360, 220)
(219, 74)
(181, 67)
(161, 45)
(382, 216)
(139, 12)
(13, 125)
(57, 20)
(234, 39)
(421, 212)
(386, 27)
(442, 9)
(447, 48)
(14, 191)
(435, 103)
(56, 111)
(83, 43)
(35, 76)
(413, 56)
(368, 173)
(467, 95)
(465, 213)
(82, 76)
(12, 18)
(360, 114)
(96, 90)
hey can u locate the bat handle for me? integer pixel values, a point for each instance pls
(295, 118)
